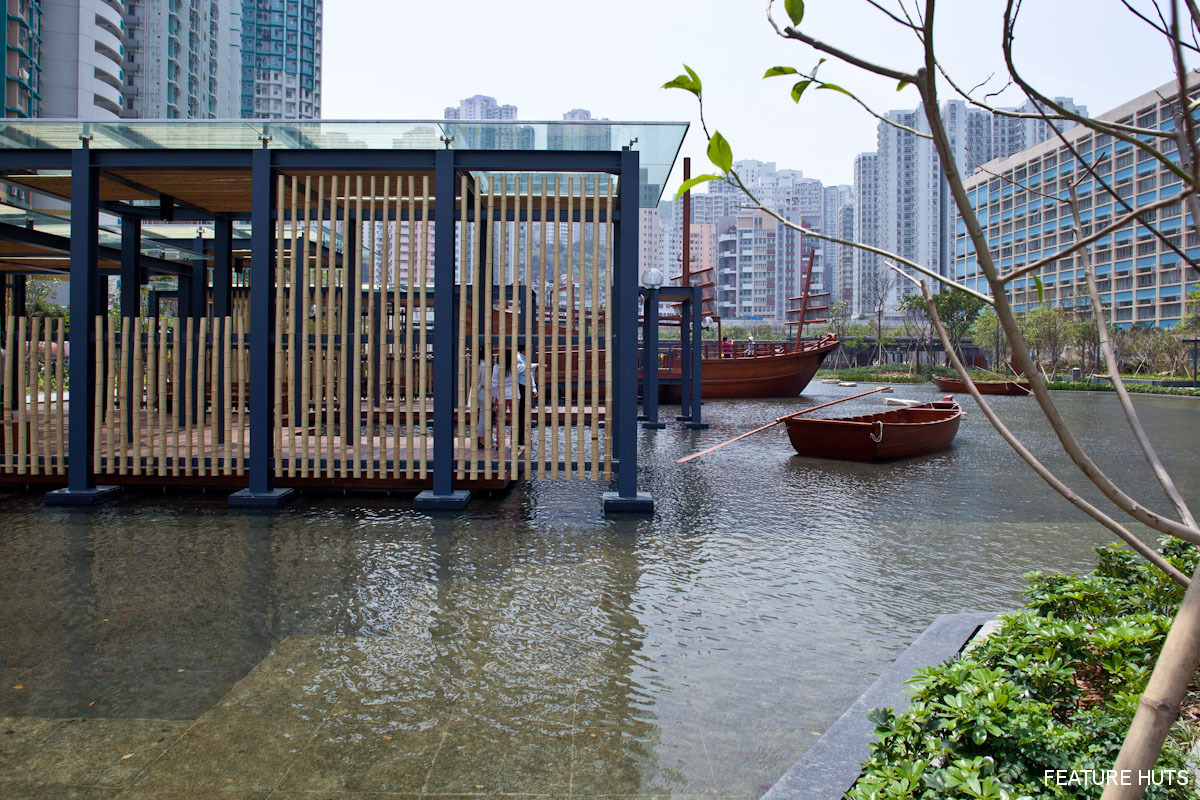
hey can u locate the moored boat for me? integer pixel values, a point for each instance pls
(899, 433)
(778, 369)
(984, 387)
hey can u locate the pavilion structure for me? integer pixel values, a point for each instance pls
(325, 304)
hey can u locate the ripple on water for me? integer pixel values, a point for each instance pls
(691, 652)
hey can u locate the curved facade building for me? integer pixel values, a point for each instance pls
(83, 52)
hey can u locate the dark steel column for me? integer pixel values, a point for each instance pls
(686, 322)
(85, 202)
(690, 372)
(624, 310)
(443, 496)
(650, 362)
(262, 492)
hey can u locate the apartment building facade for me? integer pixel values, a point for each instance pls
(1142, 279)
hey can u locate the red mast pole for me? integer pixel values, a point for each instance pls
(687, 225)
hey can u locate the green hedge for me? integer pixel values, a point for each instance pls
(1053, 689)
(1132, 388)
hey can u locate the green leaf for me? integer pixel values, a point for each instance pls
(798, 90)
(834, 87)
(695, 77)
(900, 87)
(720, 153)
(699, 179)
(682, 82)
(1041, 289)
(795, 10)
(777, 71)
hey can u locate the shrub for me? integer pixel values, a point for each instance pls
(1054, 688)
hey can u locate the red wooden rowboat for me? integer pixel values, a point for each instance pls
(984, 387)
(900, 433)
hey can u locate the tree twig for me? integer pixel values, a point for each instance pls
(1114, 373)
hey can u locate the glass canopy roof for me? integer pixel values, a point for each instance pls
(657, 143)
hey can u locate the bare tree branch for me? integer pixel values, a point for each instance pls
(838, 53)
(1156, 26)
(1114, 373)
(1043, 100)
(905, 22)
(927, 86)
(1073, 497)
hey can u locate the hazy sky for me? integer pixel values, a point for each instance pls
(389, 59)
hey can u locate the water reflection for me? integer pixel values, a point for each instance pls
(694, 652)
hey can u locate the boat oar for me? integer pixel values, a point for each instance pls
(1016, 381)
(776, 422)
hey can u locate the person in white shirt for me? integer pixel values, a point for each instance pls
(527, 388)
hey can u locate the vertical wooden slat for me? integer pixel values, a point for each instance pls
(188, 392)
(460, 405)
(98, 410)
(502, 351)
(514, 331)
(32, 402)
(330, 316)
(319, 398)
(59, 381)
(344, 308)
(583, 373)
(555, 330)
(475, 398)
(111, 383)
(540, 464)
(291, 435)
(136, 395)
(163, 411)
(122, 403)
(177, 395)
(304, 351)
(486, 390)
(279, 362)
(608, 345)
(595, 340)
(152, 395)
(240, 437)
(227, 393)
(41, 371)
(424, 389)
(527, 402)
(371, 401)
(423, 344)
(356, 327)
(21, 355)
(9, 411)
(570, 376)
(409, 313)
(395, 327)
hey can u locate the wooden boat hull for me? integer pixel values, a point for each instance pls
(768, 375)
(1016, 388)
(899, 433)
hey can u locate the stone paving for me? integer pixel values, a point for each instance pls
(315, 719)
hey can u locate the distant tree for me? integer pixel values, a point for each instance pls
(957, 311)
(916, 319)
(839, 318)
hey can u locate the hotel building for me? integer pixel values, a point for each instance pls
(1020, 201)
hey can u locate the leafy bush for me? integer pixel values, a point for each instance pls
(1133, 388)
(1054, 688)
